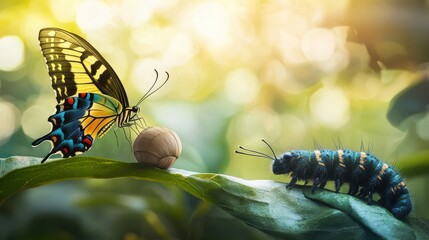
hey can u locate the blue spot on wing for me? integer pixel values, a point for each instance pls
(67, 134)
(63, 118)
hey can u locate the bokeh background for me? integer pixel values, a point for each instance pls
(287, 71)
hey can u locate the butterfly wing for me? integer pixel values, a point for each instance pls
(78, 121)
(77, 67)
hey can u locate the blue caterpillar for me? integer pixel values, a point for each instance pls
(364, 172)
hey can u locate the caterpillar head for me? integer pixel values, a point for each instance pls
(280, 165)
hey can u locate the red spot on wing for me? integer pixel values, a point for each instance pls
(82, 95)
(65, 150)
(87, 142)
(54, 139)
(70, 101)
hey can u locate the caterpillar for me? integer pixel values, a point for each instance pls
(364, 173)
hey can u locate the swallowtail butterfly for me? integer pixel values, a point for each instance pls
(90, 96)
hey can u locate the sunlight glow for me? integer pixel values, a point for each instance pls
(281, 76)
(58, 7)
(283, 26)
(142, 40)
(294, 128)
(256, 122)
(137, 12)
(330, 107)
(242, 86)
(133, 14)
(93, 15)
(211, 21)
(11, 53)
(318, 44)
(180, 50)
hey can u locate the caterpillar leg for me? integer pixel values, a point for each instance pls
(382, 202)
(370, 190)
(338, 184)
(316, 183)
(354, 188)
(322, 184)
(292, 182)
(363, 193)
(366, 193)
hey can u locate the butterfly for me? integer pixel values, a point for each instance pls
(90, 96)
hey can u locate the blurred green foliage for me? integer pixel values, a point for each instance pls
(285, 71)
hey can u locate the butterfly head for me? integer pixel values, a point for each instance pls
(135, 109)
(134, 116)
(134, 113)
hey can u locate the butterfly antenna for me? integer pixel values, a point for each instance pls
(151, 87)
(150, 92)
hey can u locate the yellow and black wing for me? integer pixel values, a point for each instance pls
(77, 67)
(90, 96)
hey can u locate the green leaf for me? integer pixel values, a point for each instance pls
(375, 218)
(263, 204)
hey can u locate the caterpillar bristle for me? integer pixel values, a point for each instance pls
(317, 144)
(362, 147)
(335, 144)
(370, 146)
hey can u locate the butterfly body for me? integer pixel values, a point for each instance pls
(90, 96)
